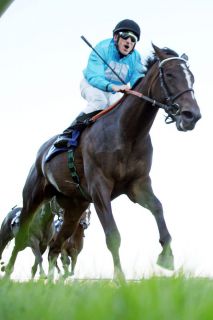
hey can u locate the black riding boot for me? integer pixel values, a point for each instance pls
(80, 123)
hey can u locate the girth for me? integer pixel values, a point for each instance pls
(74, 174)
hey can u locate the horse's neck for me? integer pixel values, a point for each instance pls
(137, 115)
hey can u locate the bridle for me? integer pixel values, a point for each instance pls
(171, 108)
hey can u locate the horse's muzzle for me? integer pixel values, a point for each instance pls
(186, 120)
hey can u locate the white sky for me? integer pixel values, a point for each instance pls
(42, 57)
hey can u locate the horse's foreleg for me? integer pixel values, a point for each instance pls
(5, 237)
(165, 259)
(65, 262)
(38, 259)
(143, 195)
(20, 244)
(74, 257)
(34, 269)
(102, 202)
(10, 266)
(113, 239)
(68, 227)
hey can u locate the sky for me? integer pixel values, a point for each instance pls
(41, 61)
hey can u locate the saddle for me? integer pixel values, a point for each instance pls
(73, 143)
(74, 139)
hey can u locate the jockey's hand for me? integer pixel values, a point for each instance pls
(121, 88)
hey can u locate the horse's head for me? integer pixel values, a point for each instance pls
(175, 82)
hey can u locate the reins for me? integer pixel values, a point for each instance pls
(172, 109)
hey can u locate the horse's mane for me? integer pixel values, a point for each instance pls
(150, 60)
(153, 58)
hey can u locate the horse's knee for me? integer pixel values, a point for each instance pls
(65, 260)
(54, 252)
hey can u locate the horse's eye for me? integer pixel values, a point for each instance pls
(169, 75)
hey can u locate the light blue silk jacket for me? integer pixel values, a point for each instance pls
(99, 75)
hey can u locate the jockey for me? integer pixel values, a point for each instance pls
(100, 86)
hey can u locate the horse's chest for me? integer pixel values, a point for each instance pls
(129, 169)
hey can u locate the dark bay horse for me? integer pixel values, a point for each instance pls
(114, 157)
(41, 231)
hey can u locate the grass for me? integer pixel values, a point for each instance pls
(176, 298)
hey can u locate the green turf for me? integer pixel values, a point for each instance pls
(156, 298)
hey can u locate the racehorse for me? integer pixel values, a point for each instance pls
(41, 231)
(72, 246)
(114, 157)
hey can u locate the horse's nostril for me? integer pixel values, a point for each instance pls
(187, 115)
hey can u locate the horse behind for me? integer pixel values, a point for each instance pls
(73, 245)
(41, 232)
(114, 157)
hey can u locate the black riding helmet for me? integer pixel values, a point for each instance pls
(128, 25)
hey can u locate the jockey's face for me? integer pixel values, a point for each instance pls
(125, 46)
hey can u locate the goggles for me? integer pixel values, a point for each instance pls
(127, 34)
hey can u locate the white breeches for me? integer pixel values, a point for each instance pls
(96, 98)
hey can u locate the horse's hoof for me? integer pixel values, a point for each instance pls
(119, 277)
(66, 275)
(43, 277)
(166, 262)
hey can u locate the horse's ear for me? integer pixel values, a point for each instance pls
(159, 53)
(184, 56)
